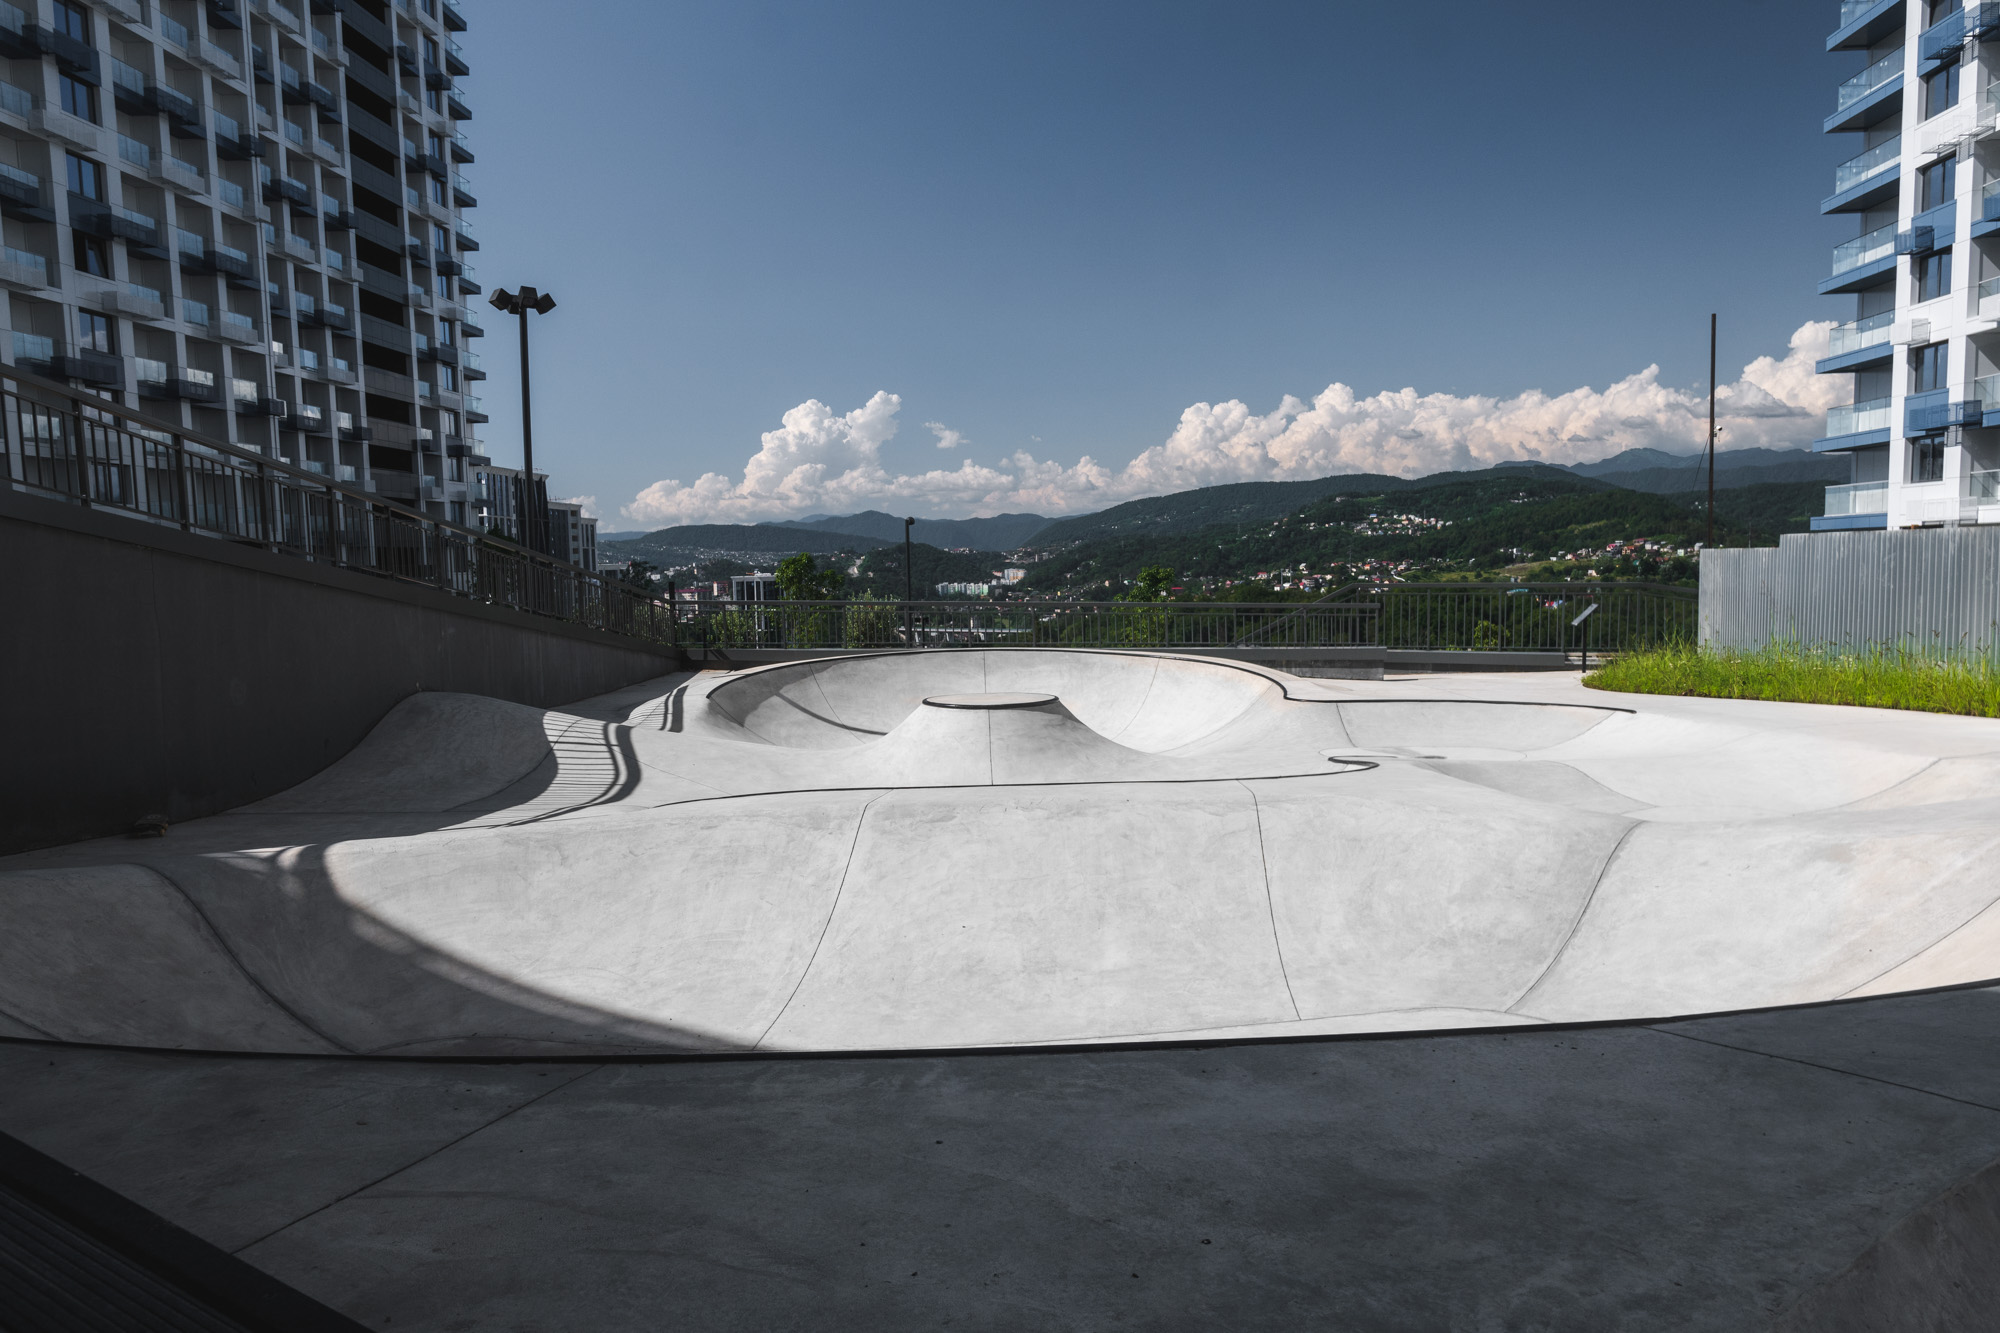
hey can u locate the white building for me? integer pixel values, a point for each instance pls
(572, 535)
(1923, 346)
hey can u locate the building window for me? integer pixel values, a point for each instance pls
(440, 239)
(95, 333)
(78, 98)
(1926, 460)
(444, 333)
(71, 21)
(448, 379)
(1941, 90)
(1936, 10)
(86, 178)
(1936, 184)
(90, 255)
(1929, 367)
(434, 99)
(1933, 275)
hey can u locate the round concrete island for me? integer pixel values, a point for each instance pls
(993, 848)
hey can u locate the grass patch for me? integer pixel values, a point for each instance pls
(1873, 678)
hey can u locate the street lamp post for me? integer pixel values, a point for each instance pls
(535, 517)
(909, 588)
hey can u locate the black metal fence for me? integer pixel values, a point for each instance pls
(82, 449)
(1537, 618)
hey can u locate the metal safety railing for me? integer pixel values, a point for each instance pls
(1549, 618)
(82, 449)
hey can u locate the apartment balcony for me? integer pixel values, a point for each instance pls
(1986, 390)
(1981, 490)
(454, 21)
(436, 78)
(78, 363)
(323, 97)
(215, 59)
(455, 107)
(231, 262)
(237, 328)
(294, 194)
(1873, 95)
(70, 129)
(1932, 230)
(1858, 345)
(281, 14)
(1935, 410)
(23, 270)
(461, 193)
(1862, 505)
(454, 59)
(307, 419)
(468, 366)
(157, 379)
(230, 140)
(1864, 23)
(462, 228)
(21, 195)
(130, 11)
(1866, 179)
(129, 299)
(1855, 425)
(461, 151)
(225, 14)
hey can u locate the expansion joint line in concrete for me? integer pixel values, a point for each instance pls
(481, 1127)
(1270, 906)
(32, 1027)
(242, 969)
(1582, 911)
(825, 926)
(1831, 1069)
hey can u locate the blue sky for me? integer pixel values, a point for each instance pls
(1054, 229)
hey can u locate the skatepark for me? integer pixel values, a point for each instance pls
(918, 851)
(1443, 1001)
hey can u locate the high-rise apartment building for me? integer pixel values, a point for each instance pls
(247, 218)
(1923, 346)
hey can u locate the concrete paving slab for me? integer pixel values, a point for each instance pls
(1611, 1178)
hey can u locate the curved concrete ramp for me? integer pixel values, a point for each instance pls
(987, 847)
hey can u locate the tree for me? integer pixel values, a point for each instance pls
(803, 579)
(1156, 584)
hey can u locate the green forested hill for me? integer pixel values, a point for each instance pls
(1491, 521)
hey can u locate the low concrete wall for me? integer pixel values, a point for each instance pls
(1934, 588)
(148, 671)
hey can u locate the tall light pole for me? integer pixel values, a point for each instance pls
(534, 517)
(909, 587)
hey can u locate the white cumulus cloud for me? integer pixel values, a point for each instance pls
(947, 438)
(822, 461)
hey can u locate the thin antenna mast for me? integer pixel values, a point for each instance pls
(1711, 432)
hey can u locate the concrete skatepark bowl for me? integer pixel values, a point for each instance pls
(993, 848)
(914, 990)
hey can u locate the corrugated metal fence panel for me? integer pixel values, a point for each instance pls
(1935, 588)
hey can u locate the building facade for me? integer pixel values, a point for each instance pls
(572, 534)
(247, 218)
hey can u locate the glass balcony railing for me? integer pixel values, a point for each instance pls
(125, 76)
(189, 243)
(307, 359)
(1869, 332)
(26, 259)
(1864, 249)
(1851, 10)
(186, 167)
(33, 347)
(241, 324)
(1854, 418)
(138, 154)
(1982, 486)
(295, 133)
(17, 100)
(1986, 389)
(136, 218)
(195, 312)
(149, 371)
(1868, 80)
(343, 472)
(1882, 157)
(230, 193)
(173, 30)
(1863, 497)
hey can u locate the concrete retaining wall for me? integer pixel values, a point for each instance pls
(1930, 587)
(148, 671)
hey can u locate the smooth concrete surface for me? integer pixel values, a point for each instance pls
(147, 671)
(806, 857)
(1813, 1168)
